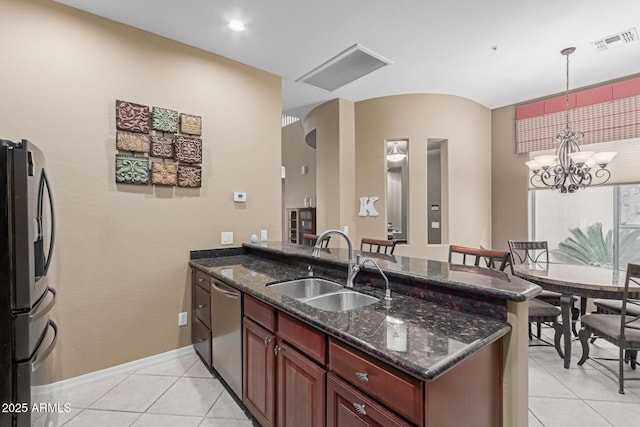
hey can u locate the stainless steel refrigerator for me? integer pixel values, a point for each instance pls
(27, 334)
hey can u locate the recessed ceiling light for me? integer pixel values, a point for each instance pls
(236, 25)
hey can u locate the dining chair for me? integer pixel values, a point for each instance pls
(523, 251)
(377, 246)
(311, 239)
(539, 311)
(622, 330)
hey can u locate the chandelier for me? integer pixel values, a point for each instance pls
(570, 169)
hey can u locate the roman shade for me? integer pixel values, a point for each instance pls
(605, 113)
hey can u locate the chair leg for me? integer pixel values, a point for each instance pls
(530, 336)
(539, 329)
(584, 340)
(557, 327)
(621, 370)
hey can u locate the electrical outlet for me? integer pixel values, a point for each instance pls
(226, 238)
(182, 318)
(263, 235)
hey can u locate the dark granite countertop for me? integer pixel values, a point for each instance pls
(422, 338)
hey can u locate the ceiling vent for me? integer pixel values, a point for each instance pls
(624, 37)
(345, 67)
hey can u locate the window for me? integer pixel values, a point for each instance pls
(598, 225)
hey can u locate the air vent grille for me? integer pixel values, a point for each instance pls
(624, 37)
(347, 66)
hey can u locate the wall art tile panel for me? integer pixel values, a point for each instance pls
(130, 141)
(162, 147)
(164, 173)
(165, 120)
(189, 176)
(132, 169)
(188, 149)
(132, 117)
(191, 125)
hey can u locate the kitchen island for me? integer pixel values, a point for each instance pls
(442, 320)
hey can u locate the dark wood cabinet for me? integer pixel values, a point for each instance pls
(259, 372)
(301, 389)
(283, 383)
(300, 221)
(201, 314)
(348, 407)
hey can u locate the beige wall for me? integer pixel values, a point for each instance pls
(509, 181)
(466, 127)
(335, 165)
(296, 153)
(120, 265)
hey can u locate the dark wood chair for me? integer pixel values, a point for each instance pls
(538, 252)
(377, 246)
(539, 311)
(622, 330)
(311, 239)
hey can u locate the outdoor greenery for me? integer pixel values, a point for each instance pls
(594, 247)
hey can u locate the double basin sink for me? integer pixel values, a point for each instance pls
(323, 294)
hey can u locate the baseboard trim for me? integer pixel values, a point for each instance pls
(125, 368)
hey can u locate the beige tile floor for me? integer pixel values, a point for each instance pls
(176, 393)
(182, 392)
(585, 396)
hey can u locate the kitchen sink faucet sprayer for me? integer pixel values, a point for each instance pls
(387, 290)
(351, 271)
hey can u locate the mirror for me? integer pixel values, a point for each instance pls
(397, 160)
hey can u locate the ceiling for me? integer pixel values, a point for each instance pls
(495, 52)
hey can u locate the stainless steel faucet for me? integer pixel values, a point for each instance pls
(387, 290)
(351, 271)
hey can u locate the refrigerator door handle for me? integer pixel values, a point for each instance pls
(44, 182)
(38, 313)
(42, 356)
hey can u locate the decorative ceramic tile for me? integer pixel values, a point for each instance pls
(132, 117)
(188, 149)
(164, 173)
(129, 141)
(191, 125)
(189, 176)
(165, 120)
(131, 169)
(161, 147)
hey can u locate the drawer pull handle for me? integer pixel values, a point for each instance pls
(267, 341)
(200, 305)
(362, 376)
(200, 279)
(201, 340)
(360, 408)
(276, 350)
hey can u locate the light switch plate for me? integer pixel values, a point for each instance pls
(263, 235)
(182, 318)
(239, 196)
(226, 238)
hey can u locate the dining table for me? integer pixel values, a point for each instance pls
(575, 280)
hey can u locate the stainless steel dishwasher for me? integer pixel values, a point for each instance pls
(226, 334)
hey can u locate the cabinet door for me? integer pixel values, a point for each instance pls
(258, 368)
(301, 389)
(201, 338)
(348, 407)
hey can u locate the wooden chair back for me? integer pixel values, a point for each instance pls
(486, 258)
(311, 239)
(377, 246)
(528, 251)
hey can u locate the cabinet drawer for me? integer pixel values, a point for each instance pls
(346, 406)
(202, 305)
(201, 279)
(307, 339)
(261, 313)
(399, 391)
(201, 338)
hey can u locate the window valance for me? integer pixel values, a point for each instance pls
(606, 113)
